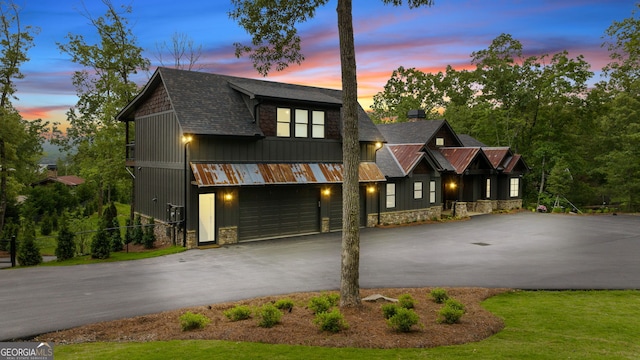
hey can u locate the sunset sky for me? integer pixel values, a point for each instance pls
(386, 37)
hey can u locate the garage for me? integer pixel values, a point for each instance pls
(276, 211)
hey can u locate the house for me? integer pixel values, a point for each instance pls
(429, 168)
(237, 159)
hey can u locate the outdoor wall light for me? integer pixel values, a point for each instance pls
(378, 145)
(453, 185)
(326, 192)
(371, 189)
(228, 197)
(186, 139)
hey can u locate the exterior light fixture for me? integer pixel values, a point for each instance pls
(326, 192)
(378, 145)
(453, 185)
(371, 189)
(228, 197)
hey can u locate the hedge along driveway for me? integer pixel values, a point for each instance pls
(524, 250)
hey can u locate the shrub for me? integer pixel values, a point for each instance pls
(332, 321)
(455, 304)
(116, 238)
(406, 301)
(439, 295)
(403, 319)
(451, 312)
(284, 304)
(268, 316)
(319, 304)
(46, 225)
(239, 312)
(128, 233)
(138, 232)
(191, 321)
(388, 310)
(334, 299)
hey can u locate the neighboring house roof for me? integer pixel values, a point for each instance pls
(210, 174)
(469, 141)
(213, 104)
(69, 180)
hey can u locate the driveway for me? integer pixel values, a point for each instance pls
(524, 250)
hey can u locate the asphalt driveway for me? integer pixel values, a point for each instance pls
(524, 250)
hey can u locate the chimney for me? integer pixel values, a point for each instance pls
(416, 115)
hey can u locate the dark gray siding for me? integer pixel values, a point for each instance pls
(405, 199)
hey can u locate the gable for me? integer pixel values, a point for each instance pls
(463, 159)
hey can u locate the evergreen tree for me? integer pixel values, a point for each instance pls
(46, 225)
(66, 241)
(116, 238)
(149, 234)
(28, 251)
(138, 231)
(101, 244)
(128, 234)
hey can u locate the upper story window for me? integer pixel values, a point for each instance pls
(439, 141)
(303, 124)
(284, 122)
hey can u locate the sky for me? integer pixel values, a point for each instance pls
(386, 37)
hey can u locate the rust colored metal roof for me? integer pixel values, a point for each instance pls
(497, 156)
(513, 161)
(407, 155)
(460, 157)
(208, 174)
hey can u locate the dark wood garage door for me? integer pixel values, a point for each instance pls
(268, 212)
(335, 208)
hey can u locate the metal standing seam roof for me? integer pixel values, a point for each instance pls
(407, 155)
(460, 157)
(210, 174)
(497, 155)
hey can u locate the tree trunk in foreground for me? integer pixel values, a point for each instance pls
(349, 279)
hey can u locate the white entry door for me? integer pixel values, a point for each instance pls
(207, 218)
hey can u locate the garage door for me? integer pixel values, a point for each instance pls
(268, 212)
(335, 208)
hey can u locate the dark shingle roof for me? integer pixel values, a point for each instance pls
(410, 132)
(469, 141)
(213, 104)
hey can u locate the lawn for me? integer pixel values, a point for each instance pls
(539, 325)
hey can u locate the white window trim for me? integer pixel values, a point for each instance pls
(280, 121)
(488, 189)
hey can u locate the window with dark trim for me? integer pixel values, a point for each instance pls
(302, 123)
(417, 190)
(391, 195)
(514, 187)
(432, 192)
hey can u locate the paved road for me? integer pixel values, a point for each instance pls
(524, 250)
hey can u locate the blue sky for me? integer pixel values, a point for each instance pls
(386, 37)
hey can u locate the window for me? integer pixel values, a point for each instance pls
(302, 123)
(432, 191)
(488, 190)
(439, 141)
(391, 195)
(283, 122)
(514, 187)
(417, 190)
(317, 125)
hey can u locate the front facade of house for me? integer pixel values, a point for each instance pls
(242, 159)
(431, 168)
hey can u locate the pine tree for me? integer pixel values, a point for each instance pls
(128, 233)
(66, 241)
(149, 234)
(116, 237)
(28, 251)
(138, 233)
(101, 244)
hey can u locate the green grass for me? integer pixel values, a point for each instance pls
(539, 325)
(117, 256)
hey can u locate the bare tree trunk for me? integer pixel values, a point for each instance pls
(350, 267)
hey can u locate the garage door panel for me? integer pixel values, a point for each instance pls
(278, 211)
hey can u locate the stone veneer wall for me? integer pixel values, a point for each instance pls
(405, 216)
(164, 233)
(510, 204)
(487, 206)
(228, 235)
